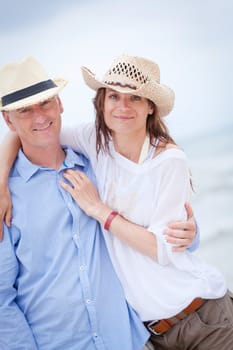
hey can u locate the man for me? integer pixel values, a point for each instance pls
(58, 289)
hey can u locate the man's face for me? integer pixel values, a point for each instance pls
(37, 125)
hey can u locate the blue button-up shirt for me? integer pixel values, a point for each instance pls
(58, 289)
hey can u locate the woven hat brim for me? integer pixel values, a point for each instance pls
(160, 94)
(36, 98)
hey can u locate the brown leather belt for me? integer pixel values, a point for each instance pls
(162, 326)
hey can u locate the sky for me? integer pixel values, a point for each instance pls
(191, 40)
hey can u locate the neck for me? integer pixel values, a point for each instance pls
(46, 157)
(129, 146)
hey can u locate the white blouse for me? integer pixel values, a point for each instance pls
(150, 194)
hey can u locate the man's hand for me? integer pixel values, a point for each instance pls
(182, 233)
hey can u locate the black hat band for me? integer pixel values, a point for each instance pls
(27, 92)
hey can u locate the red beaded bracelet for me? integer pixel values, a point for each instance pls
(109, 219)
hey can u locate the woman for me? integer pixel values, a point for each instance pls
(143, 176)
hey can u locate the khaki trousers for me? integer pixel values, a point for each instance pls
(208, 328)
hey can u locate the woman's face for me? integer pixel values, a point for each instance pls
(126, 113)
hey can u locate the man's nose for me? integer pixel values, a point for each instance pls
(38, 114)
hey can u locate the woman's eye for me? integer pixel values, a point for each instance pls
(113, 97)
(136, 98)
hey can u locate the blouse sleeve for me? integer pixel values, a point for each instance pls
(172, 193)
(80, 138)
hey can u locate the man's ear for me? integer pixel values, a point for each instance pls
(60, 104)
(6, 116)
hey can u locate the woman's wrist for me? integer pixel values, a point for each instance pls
(3, 182)
(100, 212)
(104, 215)
(109, 219)
(4, 174)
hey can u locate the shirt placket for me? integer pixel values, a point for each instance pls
(83, 272)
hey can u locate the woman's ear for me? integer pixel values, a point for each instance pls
(151, 107)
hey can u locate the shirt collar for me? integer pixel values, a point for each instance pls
(26, 169)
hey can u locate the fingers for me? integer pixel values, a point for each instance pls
(8, 216)
(180, 233)
(189, 210)
(188, 224)
(177, 225)
(179, 238)
(179, 244)
(76, 174)
(1, 224)
(78, 185)
(178, 249)
(66, 187)
(70, 176)
(76, 178)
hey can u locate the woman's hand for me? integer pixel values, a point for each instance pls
(83, 191)
(182, 233)
(5, 208)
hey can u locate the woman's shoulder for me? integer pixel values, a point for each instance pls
(84, 128)
(167, 148)
(169, 158)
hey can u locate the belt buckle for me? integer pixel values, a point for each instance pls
(152, 323)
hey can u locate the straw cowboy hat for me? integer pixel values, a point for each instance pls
(26, 83)
(134, 75)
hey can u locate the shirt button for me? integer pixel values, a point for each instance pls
(75, 236)
(82, 268)
(88, 301)
(95, 335)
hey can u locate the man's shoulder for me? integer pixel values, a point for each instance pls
(75, 157)
(83, 161)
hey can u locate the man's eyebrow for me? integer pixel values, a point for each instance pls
(22, 109)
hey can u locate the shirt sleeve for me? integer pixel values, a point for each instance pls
(172, 193)
(15, 333)
(195, 244)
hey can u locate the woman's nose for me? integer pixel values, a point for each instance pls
(124, 102)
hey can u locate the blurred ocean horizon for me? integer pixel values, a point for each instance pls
(211, 162)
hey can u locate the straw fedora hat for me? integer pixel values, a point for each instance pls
(134, 75)
(26, 83)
